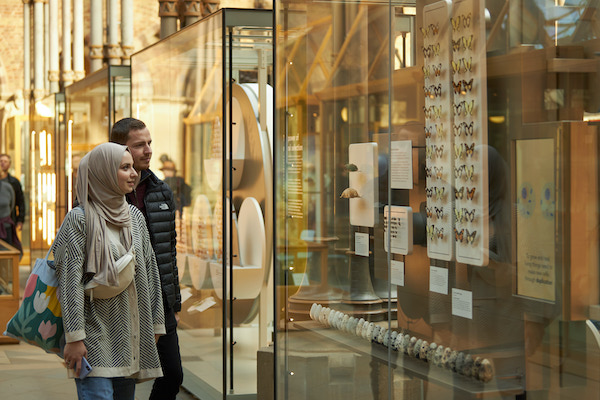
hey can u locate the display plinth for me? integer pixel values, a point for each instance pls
(323, 292)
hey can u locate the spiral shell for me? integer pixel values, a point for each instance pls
(349, 193)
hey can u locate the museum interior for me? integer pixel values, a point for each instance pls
(375, 199)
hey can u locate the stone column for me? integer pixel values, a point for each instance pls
(78, 64)
(38, 49)
(26, 49)
(96, 34)
(112, 48)
(53, 50)
(167, 11)
(46, 46)
(126, 31)
(67, 72)
(191, 11)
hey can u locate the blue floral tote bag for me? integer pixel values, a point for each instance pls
(39, 318)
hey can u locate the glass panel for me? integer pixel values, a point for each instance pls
(42, 207)
(6, 276)
(332, 190)
(92, 106)
(469, 130)
(200, 140)
(167, 81)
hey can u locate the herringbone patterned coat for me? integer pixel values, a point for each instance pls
(118, 332)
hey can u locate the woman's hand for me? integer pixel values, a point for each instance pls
(74, 352)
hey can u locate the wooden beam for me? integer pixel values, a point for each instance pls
(572, 65)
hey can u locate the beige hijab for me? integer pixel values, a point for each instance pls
(103, 201)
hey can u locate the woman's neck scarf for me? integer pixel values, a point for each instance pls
(103, 201)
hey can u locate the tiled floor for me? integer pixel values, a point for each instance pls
(28, 373)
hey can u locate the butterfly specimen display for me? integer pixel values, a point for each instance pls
(465, 236)
(439, 192)
(430, 30)
(432, 112)
(433, 50)
(471, 193)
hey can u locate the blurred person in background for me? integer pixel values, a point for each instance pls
(13, 199)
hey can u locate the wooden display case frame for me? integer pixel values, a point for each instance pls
(9, 303)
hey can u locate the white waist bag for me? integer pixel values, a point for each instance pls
(126, 268)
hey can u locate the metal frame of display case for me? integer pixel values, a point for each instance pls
(221, 57)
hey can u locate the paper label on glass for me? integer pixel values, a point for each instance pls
(462, 303)
(438, 280)
(361, 244)
(397, 273)
(401, 164)
(401, 229)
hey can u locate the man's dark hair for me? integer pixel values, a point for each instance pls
(120, 130)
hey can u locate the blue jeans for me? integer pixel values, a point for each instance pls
(96, 388)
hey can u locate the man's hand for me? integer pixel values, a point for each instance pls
(19, 225)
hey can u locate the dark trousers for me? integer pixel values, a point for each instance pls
(167, 387)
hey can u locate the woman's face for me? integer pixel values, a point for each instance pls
(126, 175)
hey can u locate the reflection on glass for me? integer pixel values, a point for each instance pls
(208, 106)
(500, 109)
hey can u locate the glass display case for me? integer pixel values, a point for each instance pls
(47, 124)
(206, 95)
(436, 200)
(9, 286)
(94, 104)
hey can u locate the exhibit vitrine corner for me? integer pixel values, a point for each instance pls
(93, 105)
(206, 95)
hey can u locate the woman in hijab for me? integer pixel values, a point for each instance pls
(110, 291)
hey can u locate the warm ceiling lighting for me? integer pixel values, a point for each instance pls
(497, 119)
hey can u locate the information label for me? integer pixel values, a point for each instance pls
(401, 165)
(361, 244)
(401, 229)
(438, 280)
(397, 273)
(462, 303)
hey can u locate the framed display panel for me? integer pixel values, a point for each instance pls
(205, 93)
(554, 261)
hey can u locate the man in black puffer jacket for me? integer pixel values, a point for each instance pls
(154, 198)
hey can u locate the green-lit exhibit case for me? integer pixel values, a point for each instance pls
(436, 175)
(94, 104)
(206, 95)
